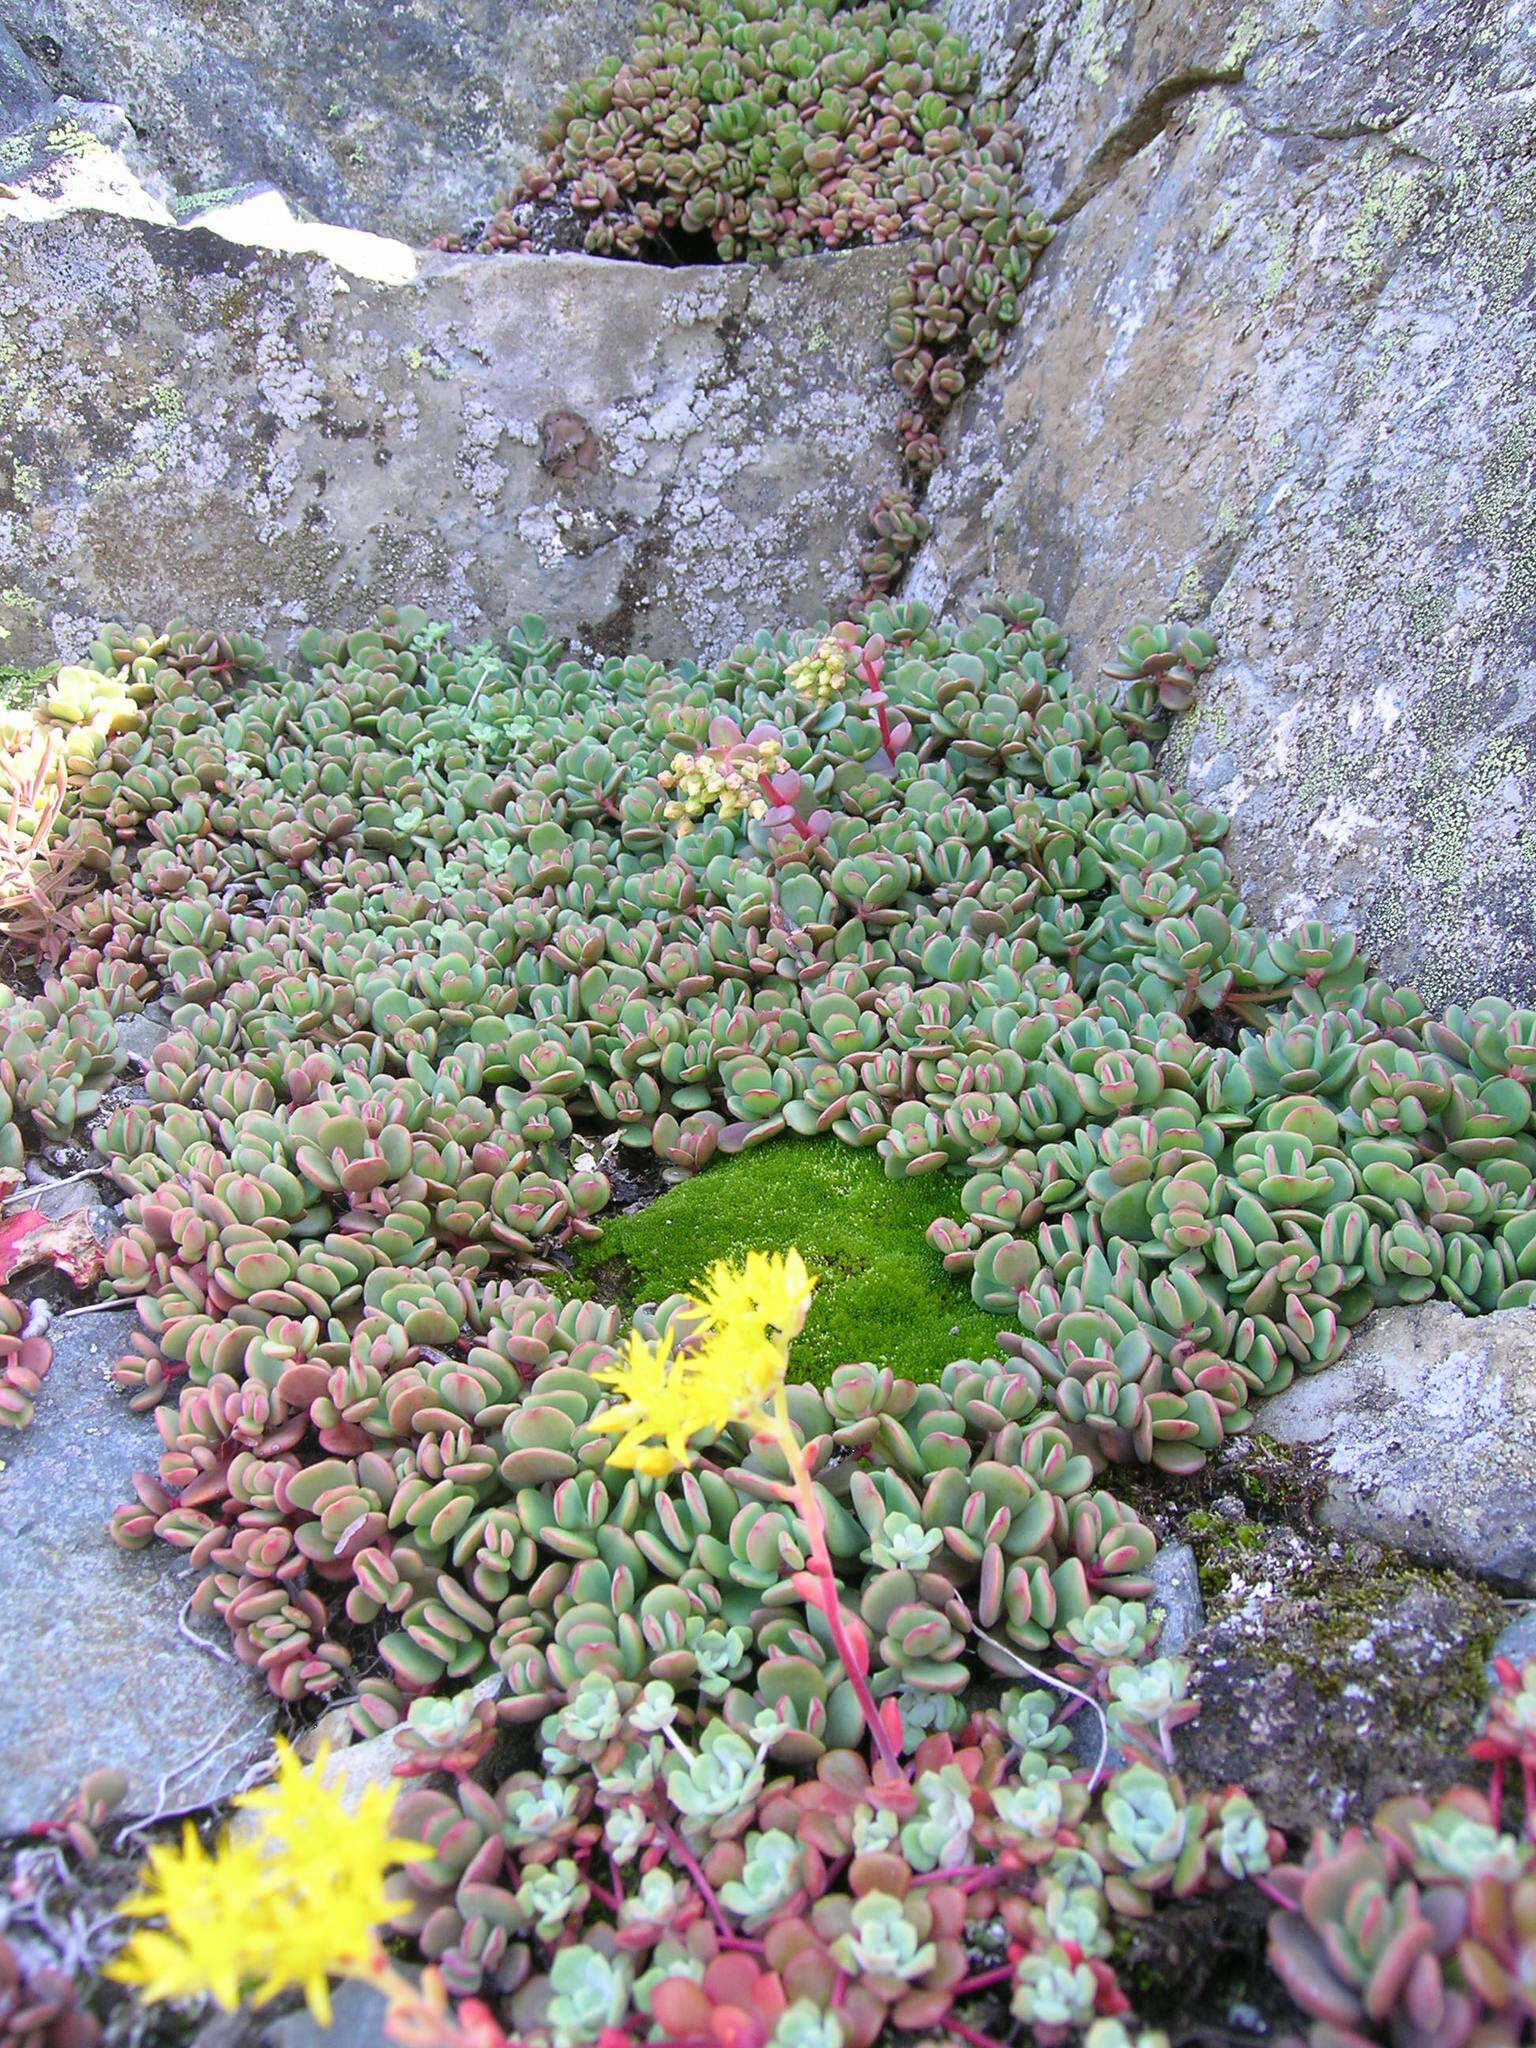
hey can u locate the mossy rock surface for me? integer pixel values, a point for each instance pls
(882, 1295)
(1334, 1674)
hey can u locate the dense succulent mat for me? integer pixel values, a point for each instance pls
(430, 917)
(435, 925)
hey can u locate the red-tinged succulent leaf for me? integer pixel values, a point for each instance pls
(1397, 1960)
(880, 1871)
(1422, 1999)
(923, 2009)
(1301, 1962)
(682, 2009)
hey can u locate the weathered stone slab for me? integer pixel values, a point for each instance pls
(24, 91)
(1331, 1674)
(1276, 373)
(357, 2021)
(1176, 1595)
(93, 1668)
(1517, 1641)
(662, 459)
(386, 115)
(1427, 1433)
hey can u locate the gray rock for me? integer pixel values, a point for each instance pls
(80, 154)
(93, 1669)
(62, 1198)
(1427, 1434)
(1331, 1674)
(357, 2014)
(387, 115)
(662, 459)
(1176, 1581)
(141, 1034)
(1517, 1642)
(1276, 373)
(1096, 78)
(24, 91)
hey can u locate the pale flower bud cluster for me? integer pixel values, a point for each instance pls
(826, 673)
(730, 782)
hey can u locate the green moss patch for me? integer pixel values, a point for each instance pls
(20, 688)
(883, 1294)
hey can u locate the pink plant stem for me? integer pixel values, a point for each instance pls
(778, 803)
(1275, 1898)
(969, 1877)
(829, 1603)
(984, 1979)
(972, 2035)
(695, 1870)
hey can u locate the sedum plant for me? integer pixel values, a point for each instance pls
(1422, 1927)
(769, 131)
(25, 1358)
(40, 2008)
(666, 1872)
(428, 920)
(429, 923)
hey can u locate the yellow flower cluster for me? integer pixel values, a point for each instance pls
(290, 1902)
(823, 674)
(748, 1315)
(732, 782)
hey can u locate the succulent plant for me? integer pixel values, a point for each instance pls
(39, 2008)
(1506, 1732)
(938, 1837)
(427, 927)
(1423, 1926)
(1149, 1696)
(1054, 1990)
(58, 1055)
(25, 1357)
(589, 1991)
(715, 1789)
(772, 1873)
(736, 2003)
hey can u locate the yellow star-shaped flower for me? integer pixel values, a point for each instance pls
(289, 1903)
(770, 1290)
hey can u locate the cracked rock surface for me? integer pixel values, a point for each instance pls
(1426, 1434)
(374, 113)
(1276, 373)
(94, 1670)
(1333, 1670)
(1331, 1676)
(653, 459)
